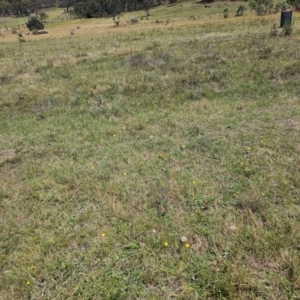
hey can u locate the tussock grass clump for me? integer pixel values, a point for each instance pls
(138, 60)
(133, 21)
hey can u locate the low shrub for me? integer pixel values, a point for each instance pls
(34, 23)
(133, 21)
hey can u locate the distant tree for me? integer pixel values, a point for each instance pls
(226, 13)
(26, 7)
(20, 7)
(240, 10)
(4, 8)
(35, 5)
(295, 4)
(261, 6)
(67, 4)
(173, 2)
(43, 16)
(90, 9)
(34, 23)
(147, 4)
(80, 9)
(98, 8)
(280, 6)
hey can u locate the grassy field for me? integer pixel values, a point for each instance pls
(159, 160)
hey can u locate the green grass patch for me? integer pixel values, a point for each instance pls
(114, 146)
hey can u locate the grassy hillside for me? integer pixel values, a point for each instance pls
(151, 161)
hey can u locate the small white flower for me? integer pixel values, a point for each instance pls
(232, 227)
(183, 239)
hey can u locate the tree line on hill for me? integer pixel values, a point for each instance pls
(80, 8)
(101, 8)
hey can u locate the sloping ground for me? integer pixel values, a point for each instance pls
(114, 146)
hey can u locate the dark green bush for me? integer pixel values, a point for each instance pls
(34, 23)
(226, 13)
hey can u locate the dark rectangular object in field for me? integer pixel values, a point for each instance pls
(286, 18)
